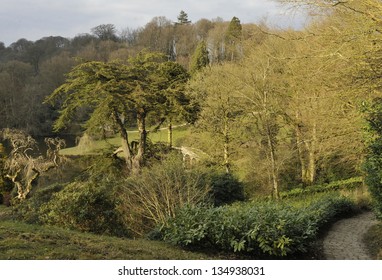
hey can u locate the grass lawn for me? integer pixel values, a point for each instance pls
(20, 241)
(92, 147)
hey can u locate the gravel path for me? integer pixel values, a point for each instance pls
(344, 240)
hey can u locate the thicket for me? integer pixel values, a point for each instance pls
(265, 229)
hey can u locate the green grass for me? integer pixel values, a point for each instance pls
(20, 241)
(98, 146)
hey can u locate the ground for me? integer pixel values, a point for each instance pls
(345, 239)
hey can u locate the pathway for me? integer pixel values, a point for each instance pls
(344, 240)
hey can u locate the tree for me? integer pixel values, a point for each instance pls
(233, 38)
(115, 94)
(157, 36)
(180, 106)
(21, 167)
(183, 18)
(200, 58)
(220, 113)
(105, 32)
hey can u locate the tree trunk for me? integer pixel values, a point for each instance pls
(126, 150)
(226, 148)
(312, 155)
(169, 134)
(301, 155)
(302, 151)
(140, 156)
(125, 143)
(272, 157)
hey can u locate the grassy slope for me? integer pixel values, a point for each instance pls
(96, 146)
(24, 241)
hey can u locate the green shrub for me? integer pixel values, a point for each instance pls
(373, 162)
(226, 188)
(29, 210)
(259, 229)
(373, 167)
(348, 184)
(87, 206)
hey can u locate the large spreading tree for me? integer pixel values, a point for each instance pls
(115, 95)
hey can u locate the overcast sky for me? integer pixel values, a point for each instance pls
(34, 19)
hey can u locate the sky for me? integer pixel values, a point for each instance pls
(34, 19)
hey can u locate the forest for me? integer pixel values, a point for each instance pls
(207, 135)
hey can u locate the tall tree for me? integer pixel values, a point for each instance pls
(113, 93)
(200, 58)
(221, 111)
(233, 39)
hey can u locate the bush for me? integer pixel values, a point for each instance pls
(29, 210)
(85, 206)
(348, 184)
(373, 162)
(261, 229)
(226, 188)
(150, 198)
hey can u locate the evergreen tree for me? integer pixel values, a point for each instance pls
(200, 58)
(111, 92)
(183, 18)
(233, 38)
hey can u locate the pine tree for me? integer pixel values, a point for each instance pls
(200, 58)
(233, 38)
(183, 18)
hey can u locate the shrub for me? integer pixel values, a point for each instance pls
(85, 206)
(226, 188)
(348, 184)
(29, 210)
(150, 198)
(373, 162)
(259, 229)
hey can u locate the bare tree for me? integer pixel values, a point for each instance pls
(21, 166)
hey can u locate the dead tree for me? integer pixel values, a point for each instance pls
(22, 167)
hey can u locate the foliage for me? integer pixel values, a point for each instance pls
(30, 210)
(199, 59)
(85, 206)
(336, 185)
(261, 229)
(373, 241)
(154, 195)
(183, 18)
(116, 94)
(225, 188)
(373, 163)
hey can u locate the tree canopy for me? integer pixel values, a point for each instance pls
(115, 95)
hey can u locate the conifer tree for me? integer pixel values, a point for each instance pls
(200, 58)
(183, 18)
(233, 38)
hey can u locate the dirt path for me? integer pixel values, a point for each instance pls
(344, 240)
